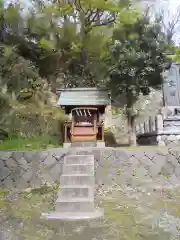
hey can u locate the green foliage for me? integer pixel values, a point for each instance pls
(137, 60)
(116, 111)
(138, 57)
(66, 44)
(73, 48)
(175, 56)
(11, 15)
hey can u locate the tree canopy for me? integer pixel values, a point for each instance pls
(80, 43)
(138, 57)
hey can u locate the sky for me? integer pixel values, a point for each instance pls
(170, 8)
(173, 4)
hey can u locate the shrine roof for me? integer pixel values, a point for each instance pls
(83, 97)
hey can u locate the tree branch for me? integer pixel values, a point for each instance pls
(105, 22)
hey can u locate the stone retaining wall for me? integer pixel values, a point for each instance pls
(151, 166)
(28, 169)
(129, 167)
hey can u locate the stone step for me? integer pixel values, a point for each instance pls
(77, 179)
(75, 205)
(78, 168)
(83, 144)
(74, 216)
(77, 191)
(79, 159)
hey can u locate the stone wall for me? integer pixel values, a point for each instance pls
(150, 166)
(128, 167)
(28, 169)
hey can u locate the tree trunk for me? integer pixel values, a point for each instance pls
(131, 130)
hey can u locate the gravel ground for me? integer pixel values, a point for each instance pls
(130, 213)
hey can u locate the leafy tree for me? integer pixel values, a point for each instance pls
(67, 40)
(70, 44)
(24, 101)
(138, 54)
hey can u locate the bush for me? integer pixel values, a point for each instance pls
(32, 117)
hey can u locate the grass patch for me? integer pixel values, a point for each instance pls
(127, 216)
(3, 194)
(30, 144)
(116, 111)
(31, 203)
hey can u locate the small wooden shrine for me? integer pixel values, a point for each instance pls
(86, 107)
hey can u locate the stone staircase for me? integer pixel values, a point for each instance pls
(76, 195)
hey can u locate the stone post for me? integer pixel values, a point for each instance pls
(35, 165)
(141, 126)
(159, 130)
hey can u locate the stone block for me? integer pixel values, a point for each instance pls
(100, 144)
(11, 163)
(37, 182)
(151, 153)
(106, 162)
(79, 179)
(173, 160)
(177, 172)
(76, 192)
(42, 156)
(133, 161)
(24, 164)
(75, 205)
(58, 151)
(83, 144)
(2, 165)
(125, 154)
(5, 155)
(96, 153)
(105, 175)
(80, 151)
(29, 156)
(167, 169)
(174, 180)
(138, 153)
(27, 175)
(176, 153)
(44, 176)
(17, 155)
(141, 172)
(66, 145)
(9, 183)
(16, 173)
(78, 168)
(4, 173)
(55, 172)
(22, 184)
(156, 168)
(145, 161)
(79, 159)
(49, 161)
(1, 184)
(162, 181)
(163, 151)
